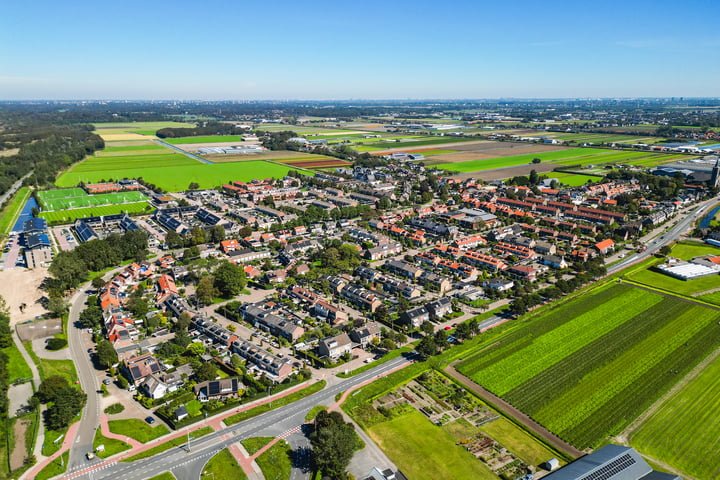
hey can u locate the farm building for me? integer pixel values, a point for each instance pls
(696, 268)
(612, 462)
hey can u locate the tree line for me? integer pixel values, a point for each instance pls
(70, 269)
(210, 128)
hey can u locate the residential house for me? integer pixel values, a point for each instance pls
(139, 367)
(365, 334)
(334, 347)
(439, 308)
(415, 317)
(221, 389)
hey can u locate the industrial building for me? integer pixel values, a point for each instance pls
(612, 462)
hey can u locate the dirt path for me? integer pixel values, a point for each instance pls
(18, 452)
(507, 409)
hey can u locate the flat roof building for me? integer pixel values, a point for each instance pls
(612, 462)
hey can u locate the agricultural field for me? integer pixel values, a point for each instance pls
(110, 129)
(684, 431)
(77, 198)
(573, 180)
(111, 150)
(69, 216)
(205, 139)
(585, 369)
(317, 163)
(170, 172)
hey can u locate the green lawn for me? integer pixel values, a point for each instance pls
(54, 468)
(112, 446)
(685, 432)
(687, 251)
(46, 367)
(572, 156)
(314, 411)
(17, 367)
(8, 215)
(163, 476)
(423, 451)
(176, 442)
(666, 282)
(275, 462)
(175, 174)
(585, 369)
(223, 465)
(254, 444)
(572, 179)
(53, 441)
(293, 397)
(137, 429)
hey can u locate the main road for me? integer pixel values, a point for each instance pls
(187, 464)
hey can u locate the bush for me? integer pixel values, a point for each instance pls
(115, 408)
(56, 344)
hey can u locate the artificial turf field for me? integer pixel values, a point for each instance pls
(78, 198)
(69, 216)
(587, 368)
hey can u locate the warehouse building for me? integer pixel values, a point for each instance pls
(612, 462)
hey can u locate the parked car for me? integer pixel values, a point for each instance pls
(150, 420)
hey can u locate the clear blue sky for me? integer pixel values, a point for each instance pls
(341, 49)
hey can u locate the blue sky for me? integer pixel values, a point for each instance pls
(358, 50)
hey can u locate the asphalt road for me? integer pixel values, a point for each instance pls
(79, 341)
(186, 465)
(671, 235)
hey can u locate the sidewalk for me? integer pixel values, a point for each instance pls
(67, 442)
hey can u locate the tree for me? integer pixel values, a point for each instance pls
(427, 347)
(182, 338)
(98, 283)
(49, 388)
(205, 290)
(536, 160)
(138, 306)
(534, 177)
(427, 328)
(68, 404)
(193, 186)
(206, 371)
(229, 279)
(217, 234)
(91, 317)
(196, 348)
(665, 250)
(334, 442)
(183, 321)
(106, 354)
(173, 239)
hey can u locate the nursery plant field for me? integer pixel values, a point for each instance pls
(684, 431)
(587, 368)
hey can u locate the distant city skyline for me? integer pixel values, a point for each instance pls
(324, 50)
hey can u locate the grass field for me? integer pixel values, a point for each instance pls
(206, 139)
(685, 432)
(54, 468)
(173, 172)
(223, 465)
(111, 445)
(137, 429)
(47, 367)
(17, 367)
(176, 442)
(75, 199)
(69, 216)
(572, 179)
(517, 441)
(421, 459)
(165, 476)
(587, 368)
(576, 154)
(142, 128)
(9, 213)
(275, 462)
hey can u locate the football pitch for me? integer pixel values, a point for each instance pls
(77, 198)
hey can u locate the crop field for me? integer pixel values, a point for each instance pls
(572, 155)
(587, 368)
(316, 163)
(206, 139)
(382, 144)
(170, 172)
(104, 128)
(69, 216)
(684, 431)
(127, 150)
(572, 179)
(81, 199)
(269, 155)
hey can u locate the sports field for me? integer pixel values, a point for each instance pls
(170, 172)
(69, 216)
(585, 369)
(77, 198)
(684, 431)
